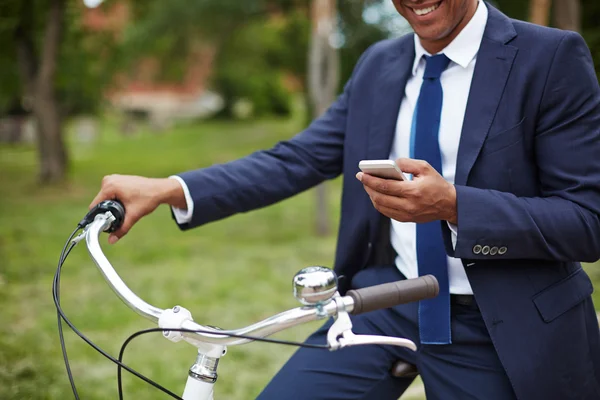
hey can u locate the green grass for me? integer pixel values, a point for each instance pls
(229, 274)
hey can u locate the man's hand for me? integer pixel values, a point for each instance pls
(428, 197)
(140, 196)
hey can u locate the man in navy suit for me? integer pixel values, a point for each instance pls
(498, 123)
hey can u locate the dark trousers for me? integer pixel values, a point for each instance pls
(469, 368)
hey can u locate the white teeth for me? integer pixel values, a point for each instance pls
(426, 11)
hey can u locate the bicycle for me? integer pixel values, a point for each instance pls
(314, 287)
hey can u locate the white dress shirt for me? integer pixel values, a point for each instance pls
(456, 83)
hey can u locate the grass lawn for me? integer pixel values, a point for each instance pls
(229, 274)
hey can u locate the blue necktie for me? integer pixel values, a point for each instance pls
(434, 314)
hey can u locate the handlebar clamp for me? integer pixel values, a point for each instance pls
(174, 318)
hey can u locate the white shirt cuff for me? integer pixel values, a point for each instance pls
(454, 230)
(183, 216)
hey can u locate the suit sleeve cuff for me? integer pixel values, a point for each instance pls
(183, 216)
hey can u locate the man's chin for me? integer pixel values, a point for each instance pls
(432, 33)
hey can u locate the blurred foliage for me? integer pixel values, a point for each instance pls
(517, 9)
(250, 64)
(88, 63)
(9, 77)
(258, 43)
(86, 60)
(590, 15)
(358, 35)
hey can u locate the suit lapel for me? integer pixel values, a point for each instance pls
(494, 62)
(389, 90)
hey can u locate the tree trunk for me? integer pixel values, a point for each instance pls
(39, 84)
(52, 152)
(539, 11)
(323, 76)
(51, 147)
(567, 14)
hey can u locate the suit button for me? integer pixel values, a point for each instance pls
(370, 245)
(493, 251)
(502, 250)
(476, 249)
(485, 250)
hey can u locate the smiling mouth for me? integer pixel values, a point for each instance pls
(424, 11)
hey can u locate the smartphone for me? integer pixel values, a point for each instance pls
(386, 169)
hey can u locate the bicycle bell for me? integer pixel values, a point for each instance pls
(315, 285)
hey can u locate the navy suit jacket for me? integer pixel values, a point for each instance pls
(527, 179)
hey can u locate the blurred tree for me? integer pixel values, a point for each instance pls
(246, 32)
(252, 63)
(567, 14)
(577, 15)
(50, 66)
(323, 80)
(590, 15)
(540, 11)
(37, 59)
(357, 34)
(256, 42)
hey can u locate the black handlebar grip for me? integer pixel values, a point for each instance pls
(393, 293)
(115, 207)
(117, 210)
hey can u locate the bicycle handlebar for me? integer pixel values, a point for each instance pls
(263, 328)
(101, 223)
(356, 302)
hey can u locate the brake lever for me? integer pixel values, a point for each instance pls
(340, 334)
(110, 218)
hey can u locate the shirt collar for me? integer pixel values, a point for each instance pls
(465, 46)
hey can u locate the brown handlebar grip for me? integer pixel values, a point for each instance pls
(393, 293)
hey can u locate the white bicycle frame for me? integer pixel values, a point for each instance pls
(212, 346)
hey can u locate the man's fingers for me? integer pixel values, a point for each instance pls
(122, 231)
(400, 215)
(394, 214)
(382, 201)
(387, 186)
(131, 218)
(386, 200)
(102, 195)
(106, 191)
